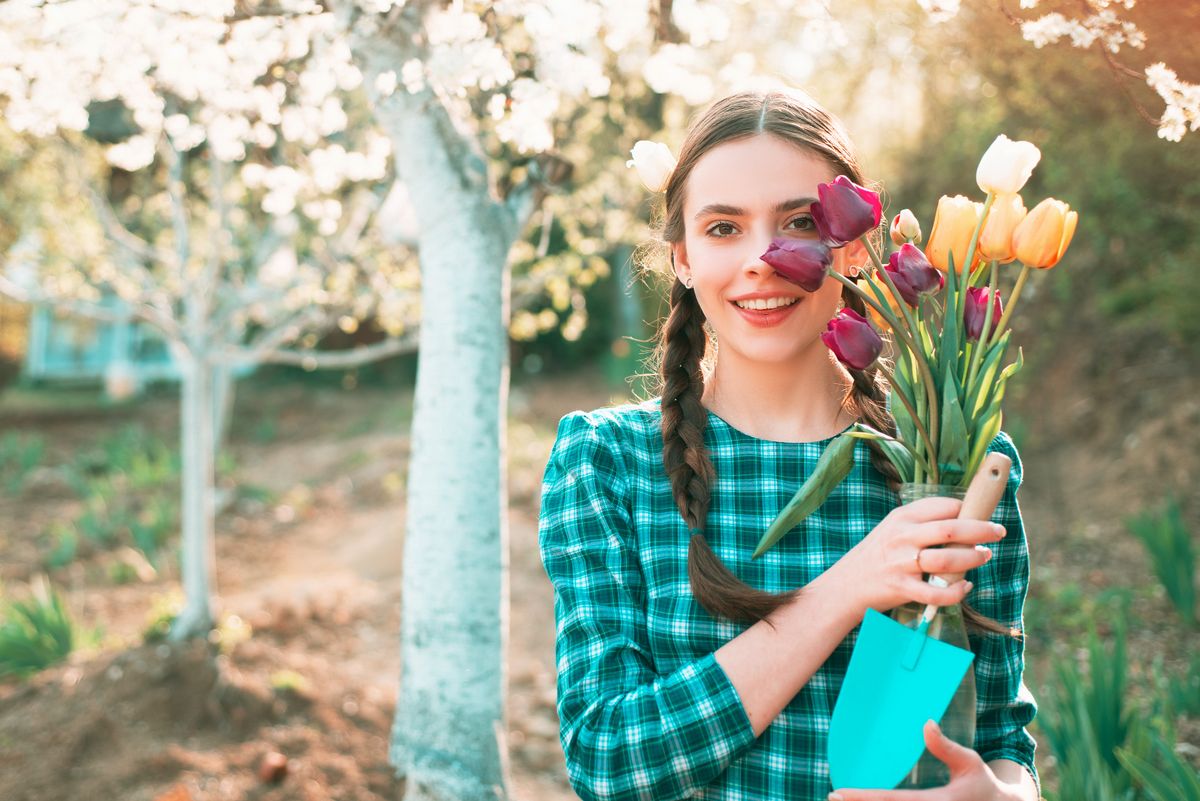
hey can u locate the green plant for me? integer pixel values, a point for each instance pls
(66, 546)
(20, 454)
(1179, 695)
(36, 633)
(1174, 780)
(1169, 544)
(1085, 720)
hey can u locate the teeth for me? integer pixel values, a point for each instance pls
(765, 303)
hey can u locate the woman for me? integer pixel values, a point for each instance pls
(684, 668)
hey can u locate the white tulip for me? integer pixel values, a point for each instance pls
(1006, 166)
(653, 162)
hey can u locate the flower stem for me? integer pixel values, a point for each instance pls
(1012, 299)
(916, 418)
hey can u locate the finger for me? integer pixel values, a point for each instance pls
(884, 795)
(957, 757)
(926, 593)
(954, 559)
(969, 532)
(926, 509)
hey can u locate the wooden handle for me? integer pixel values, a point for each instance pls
(983, 493)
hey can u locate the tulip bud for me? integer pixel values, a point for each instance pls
(953, 225)
(844, 211)
(852, 339)
(653, 162)
(1042, 237)
(801, 261)
(912, 274)
(975, 311)
(905, 228)
(995, 241)
(1006, 166)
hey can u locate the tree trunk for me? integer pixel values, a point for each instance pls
(448, 738)
(197, 443)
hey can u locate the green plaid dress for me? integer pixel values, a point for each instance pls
(645, 710)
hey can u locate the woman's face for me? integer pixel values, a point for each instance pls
(739, 196)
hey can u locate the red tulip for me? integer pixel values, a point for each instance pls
(803, 262)
(845, 211)
(912, 273)
(852, 339)
(976, 310)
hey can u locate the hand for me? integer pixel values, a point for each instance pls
(882, 572)
(970, 777)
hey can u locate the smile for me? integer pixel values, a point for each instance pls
(761, 304)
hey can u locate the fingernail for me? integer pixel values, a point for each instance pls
(970, 586)
(984, 549)
(835, 797)
(999, 529)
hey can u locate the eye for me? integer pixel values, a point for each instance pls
(806, 220)
(721, 230)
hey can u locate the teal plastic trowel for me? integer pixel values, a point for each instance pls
(900, 677)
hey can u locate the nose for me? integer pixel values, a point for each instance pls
(752, 263)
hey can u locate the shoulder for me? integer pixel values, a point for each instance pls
(628, 426)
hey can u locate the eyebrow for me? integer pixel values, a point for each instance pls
(734, 211)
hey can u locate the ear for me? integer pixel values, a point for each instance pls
(853, 254)
(679, 261)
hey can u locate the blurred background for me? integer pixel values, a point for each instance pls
(289, 201)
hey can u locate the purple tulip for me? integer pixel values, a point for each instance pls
(803, 262)
(852, 340)
(844, 211)
(912, 274)
(976, 310)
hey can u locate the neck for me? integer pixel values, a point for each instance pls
(799, 401)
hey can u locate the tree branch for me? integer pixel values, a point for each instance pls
(140, 311)
(323, 359)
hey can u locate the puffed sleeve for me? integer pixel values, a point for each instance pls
(627, 732)
(1004, 705)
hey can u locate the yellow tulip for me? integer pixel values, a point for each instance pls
(865, 284)
(1042, 237)
(995, 241)
(953, 226)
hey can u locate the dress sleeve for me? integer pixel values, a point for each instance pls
(1004, 705)
(626, 731)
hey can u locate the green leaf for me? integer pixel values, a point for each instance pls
(951, 324)
(952, 441)
(904, 422)
(896, 451)
(978, 395)
(833, 466)
(988, 429)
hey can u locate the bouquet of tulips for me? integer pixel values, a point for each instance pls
(942, 305)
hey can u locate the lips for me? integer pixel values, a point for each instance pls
(766, 318)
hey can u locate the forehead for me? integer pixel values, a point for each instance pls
(758, 171)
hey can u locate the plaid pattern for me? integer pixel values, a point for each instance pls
(645, 710)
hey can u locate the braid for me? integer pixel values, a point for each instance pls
(691, 471)
(870, 397)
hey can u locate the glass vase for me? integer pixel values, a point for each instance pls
(958, 723)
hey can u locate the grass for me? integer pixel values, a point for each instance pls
(35, 633)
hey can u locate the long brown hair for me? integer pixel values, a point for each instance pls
(797, 119)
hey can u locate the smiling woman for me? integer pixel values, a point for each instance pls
(685, 666)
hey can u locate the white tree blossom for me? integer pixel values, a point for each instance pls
(1104, 27)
